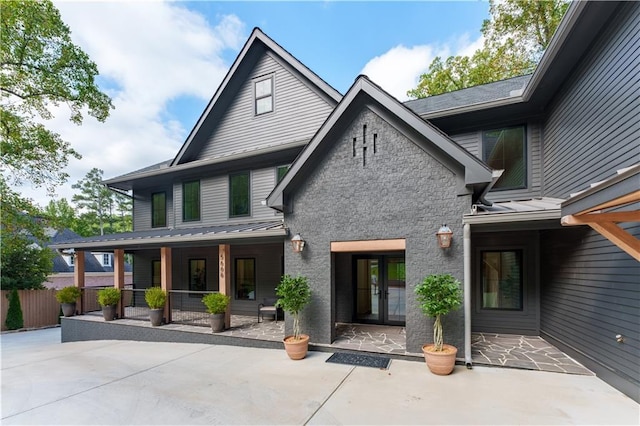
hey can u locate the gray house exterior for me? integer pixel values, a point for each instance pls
(367, 182)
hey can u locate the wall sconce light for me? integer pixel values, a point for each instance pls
(297, 243)
(444, 235)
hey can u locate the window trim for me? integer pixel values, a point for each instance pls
(164, 207)
(106, 259)
(184, 201)
(271, 95)
(525, 154)
(230, 200)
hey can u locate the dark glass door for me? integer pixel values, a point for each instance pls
(379, 283)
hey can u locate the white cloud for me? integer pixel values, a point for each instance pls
(149, 53)
(398, 70)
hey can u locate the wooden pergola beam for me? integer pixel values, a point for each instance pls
(613, 217)
(619, 237)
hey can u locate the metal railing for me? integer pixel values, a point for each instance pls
(187, 307)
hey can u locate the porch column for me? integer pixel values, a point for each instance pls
(224, 279)
(118, 278)
(78, 277)
(466, 235)
(165, 279)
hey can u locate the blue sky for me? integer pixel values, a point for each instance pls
(161, 61)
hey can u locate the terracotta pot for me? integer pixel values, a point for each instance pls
(155, 315)
(217, 323)
(296, 349)
(109, 313)
(440, 363)
(68, 309)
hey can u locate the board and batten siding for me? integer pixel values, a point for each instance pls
(214, 201)
(592, 128)
(142, 208)
(472, 142)
(297, 115)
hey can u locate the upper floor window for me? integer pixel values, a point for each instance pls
(158, 209)
(264, 95)
(239, 199)
(280, 172)
(504, 149)
(106, 260)
(191, 201)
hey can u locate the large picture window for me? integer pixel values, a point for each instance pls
(191, 201)
(158, 209)
(505, 149)
(197, 275)
(156, 270)
(502, 280)
(239, 194)
(264, 95)
(245, 270)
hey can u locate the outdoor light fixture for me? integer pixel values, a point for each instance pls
(297, 243)
(444, 235)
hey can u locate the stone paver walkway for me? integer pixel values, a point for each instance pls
(371, 338)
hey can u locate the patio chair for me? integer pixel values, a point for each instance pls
(268, 306)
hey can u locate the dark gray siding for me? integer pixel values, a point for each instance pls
(592, 128)
(472, 142)
(402, 192)
(590, 293)
(297, 115)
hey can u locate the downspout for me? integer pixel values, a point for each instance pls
(467, 294)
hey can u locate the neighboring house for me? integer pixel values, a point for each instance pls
(98, 266)
(367, 182)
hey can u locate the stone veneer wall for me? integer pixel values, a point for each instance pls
(401, 192)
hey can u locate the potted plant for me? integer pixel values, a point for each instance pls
(67, 297)
(156, 298)
(108, 298)
(216, 304)
(294, 294)
(438, 295)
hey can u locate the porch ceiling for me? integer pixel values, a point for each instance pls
(179, 237)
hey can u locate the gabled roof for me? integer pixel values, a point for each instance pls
(250, 53)
(364, 91)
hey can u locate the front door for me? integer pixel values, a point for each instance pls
(379, 283)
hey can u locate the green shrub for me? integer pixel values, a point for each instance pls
(155, 297)
(14, 319)
(438, 295)
(294, 294)
(109, 296)
(216, 303)
(68, 294)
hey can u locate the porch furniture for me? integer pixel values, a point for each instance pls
(268, 307)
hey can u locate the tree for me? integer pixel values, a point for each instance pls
(60, 215)
(95, 198)
(41, 67)
(24, 264)
(14, 319)
(515, 37)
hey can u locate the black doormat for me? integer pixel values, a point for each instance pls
(360, 360)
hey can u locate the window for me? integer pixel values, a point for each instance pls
(197, 275)
(72, 259)
(504, 149)
(155, 273)
(502, 280)
(191, 201)
(246, 279)
(158, 209)
(264, 96)
(106, 260)
(239, 194)
(280, 172)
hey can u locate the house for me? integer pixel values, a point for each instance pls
(367, 181)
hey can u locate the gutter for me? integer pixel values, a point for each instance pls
(511, 217)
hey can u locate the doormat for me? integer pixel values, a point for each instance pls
(359, 360)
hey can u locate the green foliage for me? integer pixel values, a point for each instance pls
(216, 303)
(109, 296)
(14, 319)
(23, 263)
(40, 67)
(294, 294)
(515, 37)
(438, 294)
(155, 297)
(68, 294)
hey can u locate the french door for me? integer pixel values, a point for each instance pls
(380, 290)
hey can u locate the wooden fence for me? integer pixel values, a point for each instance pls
(39, 307)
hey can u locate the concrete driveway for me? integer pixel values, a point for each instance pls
(121, 382)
